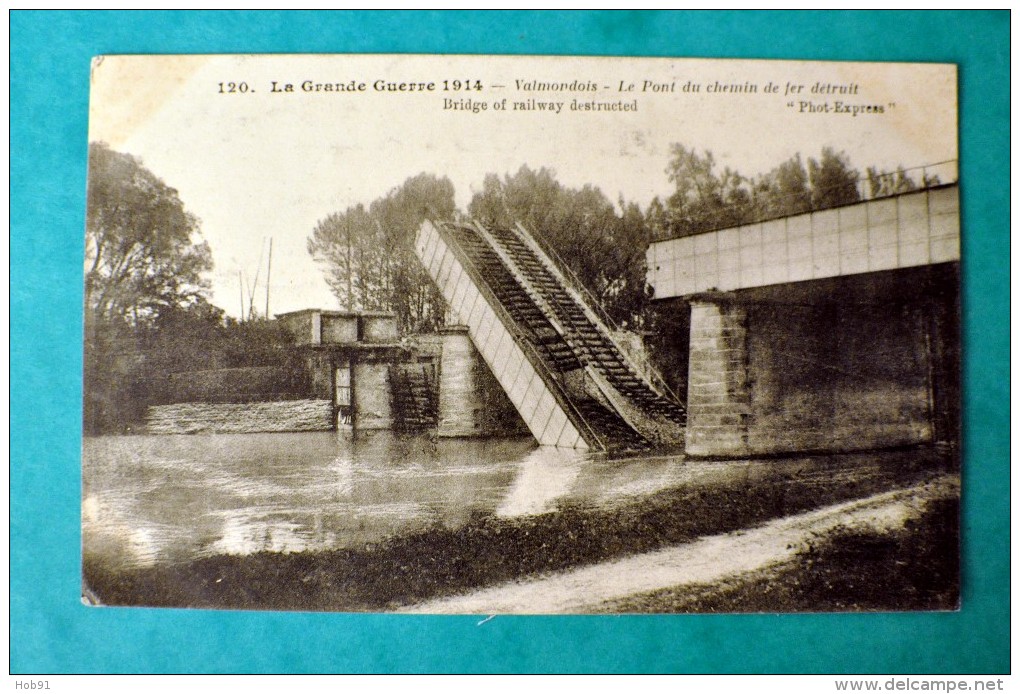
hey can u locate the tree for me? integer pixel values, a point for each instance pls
(833, 180)
(349, 245)
(885, 184)
(657, 219)
(368, 255)
(786, 190)
(141, 252)
(601, 244)
(143, 271)
(704, 198)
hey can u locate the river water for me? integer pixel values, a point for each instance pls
(164, 499)
(149, 500)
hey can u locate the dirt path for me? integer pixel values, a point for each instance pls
(706, 560)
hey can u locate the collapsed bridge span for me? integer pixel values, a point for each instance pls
(552, 354)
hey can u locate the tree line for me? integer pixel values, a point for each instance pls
(367, 254)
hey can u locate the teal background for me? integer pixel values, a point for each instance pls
(52, 632)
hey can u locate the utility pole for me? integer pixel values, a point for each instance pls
(255, 286)
(240, 286)
(269, 269)
(350, 288)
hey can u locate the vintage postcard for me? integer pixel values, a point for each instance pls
(496, 335)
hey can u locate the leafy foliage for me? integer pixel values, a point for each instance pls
(706, 198)
(143, 266)
(146, 315)
(127, 368)
(368, 254)
(882, 184)
(141, 252)
(833, 180)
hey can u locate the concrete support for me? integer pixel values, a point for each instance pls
(316, 328)
(319, 368)
(337, 329)
(459, 402)
(719, 402)
(372, 396)
(471, 401)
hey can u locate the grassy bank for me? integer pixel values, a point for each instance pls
(441, 561)
(849, 569)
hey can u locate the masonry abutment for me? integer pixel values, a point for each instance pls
(459, 400)
(719, 388)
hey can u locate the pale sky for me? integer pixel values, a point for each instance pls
(258, 164)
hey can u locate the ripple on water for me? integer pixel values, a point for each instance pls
(152, 499)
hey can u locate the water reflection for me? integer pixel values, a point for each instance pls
(544, 476)
(165, 499)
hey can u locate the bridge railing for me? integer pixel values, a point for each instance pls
(882, 185)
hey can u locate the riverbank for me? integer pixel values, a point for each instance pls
(734, 572)
(487, 550)
(857, 568)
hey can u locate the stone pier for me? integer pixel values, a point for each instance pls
(459, 401)
(718, 407)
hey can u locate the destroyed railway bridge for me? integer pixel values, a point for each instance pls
(829, 330)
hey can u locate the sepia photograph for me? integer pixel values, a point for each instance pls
(487, 335)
